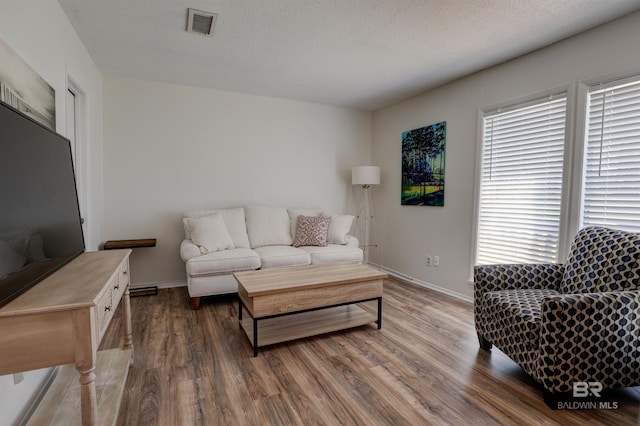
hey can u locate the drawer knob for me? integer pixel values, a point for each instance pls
(117, 286)
(125, 272)
(107, 308)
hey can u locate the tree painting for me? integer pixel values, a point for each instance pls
(423, 152)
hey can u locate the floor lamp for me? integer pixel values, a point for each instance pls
(366, 176)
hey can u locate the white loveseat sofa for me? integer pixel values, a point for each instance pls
(220, 242)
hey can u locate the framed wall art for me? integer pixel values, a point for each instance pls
(423, 165)
(22, 88)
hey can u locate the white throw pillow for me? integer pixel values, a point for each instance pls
(268, 226)
(233, 218)
(209, 233)
(339, 227)
(293, 217)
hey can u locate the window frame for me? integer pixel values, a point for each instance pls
(574, 155)
(570, 93)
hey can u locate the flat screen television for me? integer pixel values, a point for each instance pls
(40, 224)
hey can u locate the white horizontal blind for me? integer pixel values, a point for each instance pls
(611, 194)
(521, 186)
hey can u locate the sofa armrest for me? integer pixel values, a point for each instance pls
(352, 241)
(188, 250)
(600, 332)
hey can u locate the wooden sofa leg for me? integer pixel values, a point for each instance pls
(484, 343)
(195, 303)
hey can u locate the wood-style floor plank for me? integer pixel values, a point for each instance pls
(423, 367)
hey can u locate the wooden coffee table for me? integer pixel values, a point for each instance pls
(302, 301)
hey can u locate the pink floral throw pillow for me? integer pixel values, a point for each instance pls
(312, 231)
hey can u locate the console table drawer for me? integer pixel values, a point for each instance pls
(105, 307)
(107, 303)
(122, 282)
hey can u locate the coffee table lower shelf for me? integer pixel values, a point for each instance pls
(294, 326)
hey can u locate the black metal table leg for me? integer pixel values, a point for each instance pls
(255, 337)
(241, 305)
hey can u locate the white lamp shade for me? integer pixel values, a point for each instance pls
(365, 175)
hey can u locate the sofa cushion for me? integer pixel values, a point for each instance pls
(223, 262)
(293, 217)
(233, 218)
(281, 256)
(339, 228)
(209, 233)
(268, 226)
(333, 253)
(312, 231)
(601, 260)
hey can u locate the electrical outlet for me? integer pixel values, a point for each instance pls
(436, 260)
(428, 261)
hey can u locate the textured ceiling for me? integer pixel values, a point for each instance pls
(364, 54)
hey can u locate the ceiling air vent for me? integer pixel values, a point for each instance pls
(200, 22)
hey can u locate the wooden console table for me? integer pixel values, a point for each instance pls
(62, 320)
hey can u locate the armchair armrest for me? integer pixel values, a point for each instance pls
(189, 250)
(516, 276)
(597, 332)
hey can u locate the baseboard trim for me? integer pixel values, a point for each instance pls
(158, 285)
(396, 274)
(421, 283)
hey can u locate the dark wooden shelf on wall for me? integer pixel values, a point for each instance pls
(125, 244)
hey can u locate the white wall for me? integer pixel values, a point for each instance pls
(408, 233)
(171, 148)
(38, 31)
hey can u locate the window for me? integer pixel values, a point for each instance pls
(611, 192)
(521, 183)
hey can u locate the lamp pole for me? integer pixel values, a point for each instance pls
(366, 176)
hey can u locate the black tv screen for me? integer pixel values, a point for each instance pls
(40, 224)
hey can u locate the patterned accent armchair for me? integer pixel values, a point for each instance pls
(563, 323)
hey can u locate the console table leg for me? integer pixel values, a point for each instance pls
(128, 331)
(379, 313)
(88, 401)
